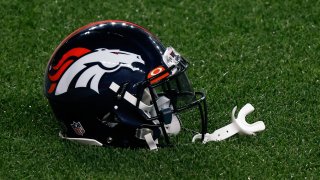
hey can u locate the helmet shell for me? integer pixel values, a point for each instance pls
(81, 70)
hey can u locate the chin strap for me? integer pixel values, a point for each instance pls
(151, 143)
(82, 140)
(238, 125)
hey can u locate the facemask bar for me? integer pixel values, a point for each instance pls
(159, 117)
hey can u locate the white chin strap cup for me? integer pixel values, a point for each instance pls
(238, 125)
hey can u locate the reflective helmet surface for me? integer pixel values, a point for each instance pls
(112, 83)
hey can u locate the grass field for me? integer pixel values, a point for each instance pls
(262, 52)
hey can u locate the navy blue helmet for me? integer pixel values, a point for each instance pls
(112, 83)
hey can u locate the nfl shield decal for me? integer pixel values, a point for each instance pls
(78, 129)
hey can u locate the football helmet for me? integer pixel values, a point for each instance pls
(112, 83)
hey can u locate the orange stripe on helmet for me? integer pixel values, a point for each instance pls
(77, 52)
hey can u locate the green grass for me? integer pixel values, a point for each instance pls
(262, 52)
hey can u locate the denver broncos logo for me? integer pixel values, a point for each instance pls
(92, 64)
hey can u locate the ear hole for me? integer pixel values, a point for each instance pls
(110, 120)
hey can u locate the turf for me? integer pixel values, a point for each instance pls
(262, 52)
